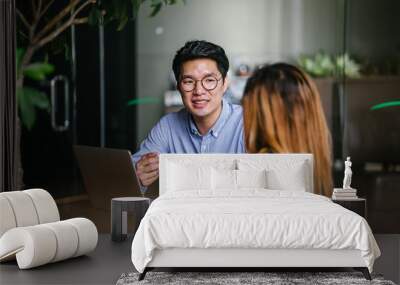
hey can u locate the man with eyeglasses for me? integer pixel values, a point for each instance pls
(207, 124)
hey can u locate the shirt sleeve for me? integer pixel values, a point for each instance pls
(156, 141)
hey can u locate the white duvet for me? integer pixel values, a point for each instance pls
(252, 218)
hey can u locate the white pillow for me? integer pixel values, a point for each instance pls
(224, 179)
(183, 177)
(234, 179)
(251, 178)
(293, 178)
(282, 173)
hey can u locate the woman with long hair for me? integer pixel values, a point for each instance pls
(283, 114)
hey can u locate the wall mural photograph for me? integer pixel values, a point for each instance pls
(180, 141)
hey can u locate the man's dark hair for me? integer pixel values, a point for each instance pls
(200, 49)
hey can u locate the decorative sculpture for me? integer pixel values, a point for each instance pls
(347, 174)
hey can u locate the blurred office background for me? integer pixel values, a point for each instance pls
(110, 87)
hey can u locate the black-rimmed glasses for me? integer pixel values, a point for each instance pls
(209, 83)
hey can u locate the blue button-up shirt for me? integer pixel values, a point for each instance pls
(177, 133)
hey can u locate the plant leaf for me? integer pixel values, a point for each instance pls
(135, 7)
(38, 71)
(26, 108)
(122, 23)
(37, 98)
(348, 66)
(155, 9)
(320, 65)
(121, 11)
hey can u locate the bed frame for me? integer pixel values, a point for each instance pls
(246, 258)
(243, 259)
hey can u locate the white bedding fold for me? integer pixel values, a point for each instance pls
(250, 218)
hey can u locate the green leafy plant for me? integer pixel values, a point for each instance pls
(40, 23)
(324, 65)
(320, 65)
(347, 66)
(28, 98)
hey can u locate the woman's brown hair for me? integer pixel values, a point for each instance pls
(283, 114)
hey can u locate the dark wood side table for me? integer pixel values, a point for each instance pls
(120, 207)
(357, 205)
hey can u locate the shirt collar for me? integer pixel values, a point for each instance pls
(219, 124)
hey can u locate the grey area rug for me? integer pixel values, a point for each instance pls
(228, 278)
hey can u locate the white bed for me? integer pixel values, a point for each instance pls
(247, 210)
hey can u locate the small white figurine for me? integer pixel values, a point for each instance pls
(347, 174)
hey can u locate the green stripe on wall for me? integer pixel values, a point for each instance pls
(385, 105)
(144, 100)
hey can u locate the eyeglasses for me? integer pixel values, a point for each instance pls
(209, 83)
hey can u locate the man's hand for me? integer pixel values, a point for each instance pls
(147, 168)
